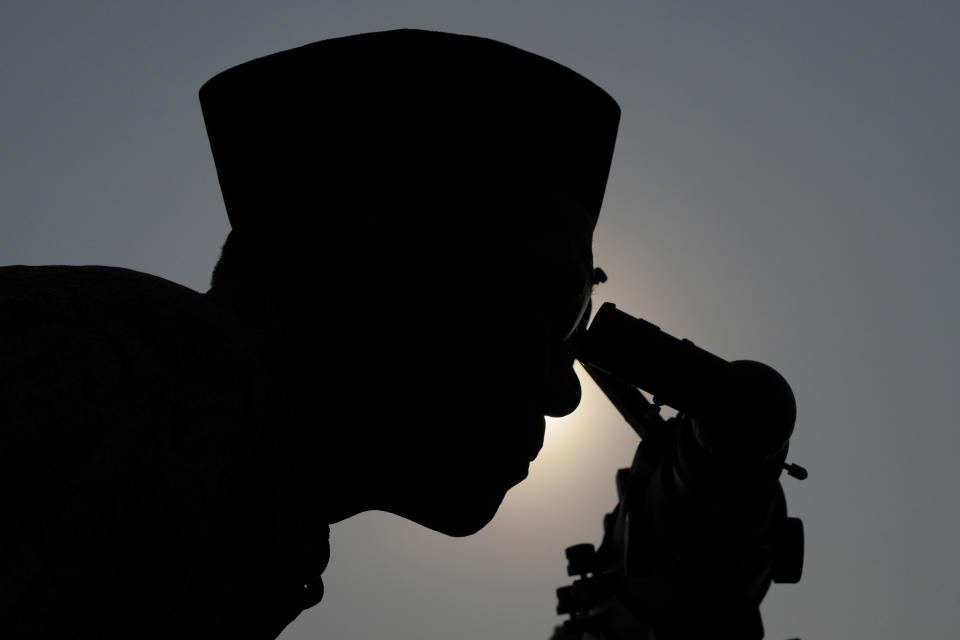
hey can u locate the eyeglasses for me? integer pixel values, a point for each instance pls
(583, 314)
(586, 304)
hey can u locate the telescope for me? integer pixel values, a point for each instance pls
(701, 530)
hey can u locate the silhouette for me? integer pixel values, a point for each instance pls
(386, 328)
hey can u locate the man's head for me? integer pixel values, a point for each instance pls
(428, 236)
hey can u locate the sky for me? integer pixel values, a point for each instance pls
(785, 188)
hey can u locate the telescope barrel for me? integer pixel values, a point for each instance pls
(741, 406)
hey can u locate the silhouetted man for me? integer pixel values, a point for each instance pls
(386, 329)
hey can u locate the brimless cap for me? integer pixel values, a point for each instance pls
(299, 131)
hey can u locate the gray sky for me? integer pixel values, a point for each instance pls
(785, 189)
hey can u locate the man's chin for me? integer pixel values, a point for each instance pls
(459, 516)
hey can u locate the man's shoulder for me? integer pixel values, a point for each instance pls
(126, 439)
(99, 345)
(91, 293)
(112, 314)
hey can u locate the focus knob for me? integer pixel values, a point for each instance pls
(581, 559)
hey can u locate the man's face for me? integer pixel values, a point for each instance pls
(492, 361)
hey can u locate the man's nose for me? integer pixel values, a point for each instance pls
(563, 388)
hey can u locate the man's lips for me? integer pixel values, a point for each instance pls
(536, 438)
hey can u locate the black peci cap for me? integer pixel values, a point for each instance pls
(296, 132)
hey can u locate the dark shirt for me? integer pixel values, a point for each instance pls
(137, 492)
